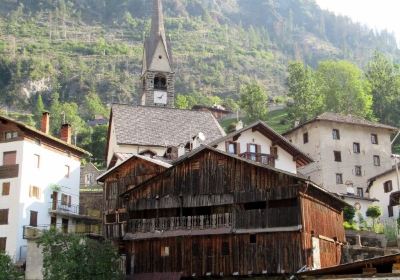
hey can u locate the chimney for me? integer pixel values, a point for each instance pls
(66, 133)
(45, 125)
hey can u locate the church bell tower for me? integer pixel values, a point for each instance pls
(158, 77)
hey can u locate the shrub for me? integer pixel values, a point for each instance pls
(349, 213)
(75, 257)
(374, 212)
(7, 268)
(350, 226)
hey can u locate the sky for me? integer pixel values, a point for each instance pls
(377, 14)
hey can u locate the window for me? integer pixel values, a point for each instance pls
(252, 149)
(66, 200)
(305, 138)
(360, 192)
(34, 192)
(3, 216)
(160, 82)
(33, 219)
(377, 161)
(388, 186)
(336, 134)
(9, 135)
(64, 225)
(337, 156)
(6, 189)
(10, 158)
(36, 161)
(357, 170)
(164, 251)
(3, 242)
(390, 211)
(356, 148)
(225, 248)
(253, 239)
(374, 139)
(232, 148)
(339, 178)
(67, 170)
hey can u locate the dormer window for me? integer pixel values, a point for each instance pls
(160, 82)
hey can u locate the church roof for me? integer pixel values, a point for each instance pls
(157, 34)
(160, 126)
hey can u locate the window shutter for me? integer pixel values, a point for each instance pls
(69, 201)
(248, 148)
(258, 149)
(238, 148)
(9, 158)
(227, 146)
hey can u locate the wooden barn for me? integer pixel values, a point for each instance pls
(216, 214)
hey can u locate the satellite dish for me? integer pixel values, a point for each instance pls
(201, 136)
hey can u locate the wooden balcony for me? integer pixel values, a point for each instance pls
(9, 171)
(181, 223)
(262, 158)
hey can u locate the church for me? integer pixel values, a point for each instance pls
(156, 126)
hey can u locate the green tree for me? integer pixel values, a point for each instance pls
(39, 109)
(94, 140)
(374, 212)
(74, 257)
(253, 101)
(303, 89)
(7, 268)
(94, 106)
(181, 102)
(384, 78)
(344, 89)
(349, 214)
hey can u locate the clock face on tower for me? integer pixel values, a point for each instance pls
(160, 97)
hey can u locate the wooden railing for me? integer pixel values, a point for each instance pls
(262, 158)
(9, 171)
(181, 223)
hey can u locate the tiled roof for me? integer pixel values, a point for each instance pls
(158, 126)
(274, 137)
(349, 119)
(48, 137)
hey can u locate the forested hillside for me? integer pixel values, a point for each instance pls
(79, 55)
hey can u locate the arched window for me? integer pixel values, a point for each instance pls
(160, 82)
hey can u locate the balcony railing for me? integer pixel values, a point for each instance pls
(72, 209)
(34, 232)
(262, 158)
(9, 171)
(201, 222)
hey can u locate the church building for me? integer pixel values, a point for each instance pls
(156, 127)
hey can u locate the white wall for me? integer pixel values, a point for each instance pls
(321, 146)
(285, 160)
(50, 172)
(377, 191)
(12, 201)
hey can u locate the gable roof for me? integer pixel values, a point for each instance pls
(102, 177)
(44, 136)
(160, 126)
(384, 173)
(276, 138)
(202, 148)
(347, 119)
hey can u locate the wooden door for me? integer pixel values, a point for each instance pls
(33, 219)
(64, 225)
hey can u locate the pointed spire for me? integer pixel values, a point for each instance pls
(157, 35)
(157, 22)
